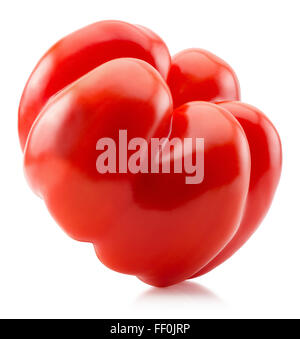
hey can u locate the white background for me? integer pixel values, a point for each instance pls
(43, 273)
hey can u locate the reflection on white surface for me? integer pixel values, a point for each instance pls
(184, 290)
(183, 298)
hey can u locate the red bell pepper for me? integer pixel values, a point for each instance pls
(112, 80)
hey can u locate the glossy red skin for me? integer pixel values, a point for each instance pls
(197, 74)
(266, 163)
(139, 224)
(153, 226)
(79, 53)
